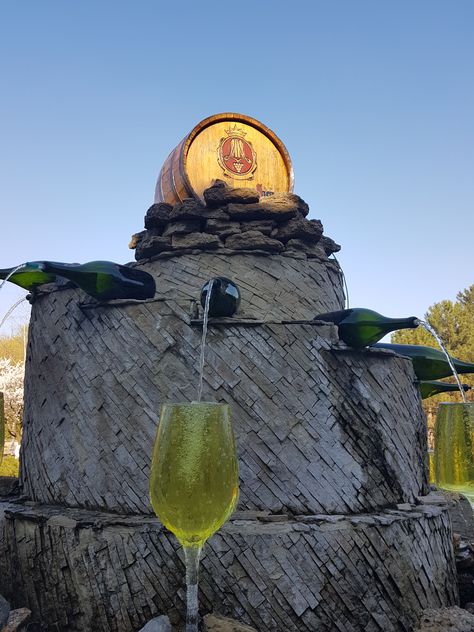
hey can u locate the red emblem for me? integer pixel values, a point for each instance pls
(236, 156)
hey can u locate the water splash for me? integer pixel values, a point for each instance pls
(203, 339)
(23, 265)
(433, 332)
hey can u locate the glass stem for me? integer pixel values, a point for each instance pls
(192, 556)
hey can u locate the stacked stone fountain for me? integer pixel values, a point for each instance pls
(335, 529)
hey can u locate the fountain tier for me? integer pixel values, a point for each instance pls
(332, 445)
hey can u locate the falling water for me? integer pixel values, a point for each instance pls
(203, 339)
(11, 310)
(430, 330)
(23, 265)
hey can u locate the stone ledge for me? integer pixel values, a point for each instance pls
(242, 521)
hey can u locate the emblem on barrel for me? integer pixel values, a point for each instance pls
(236, 156)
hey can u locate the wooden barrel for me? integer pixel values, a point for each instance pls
(232, 147)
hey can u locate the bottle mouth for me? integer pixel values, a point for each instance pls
(36, 265)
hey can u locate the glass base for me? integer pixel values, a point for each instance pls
(466, 489)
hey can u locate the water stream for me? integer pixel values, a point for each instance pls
(203, 339)
(11, 310)
(23, 265)
(433, 332)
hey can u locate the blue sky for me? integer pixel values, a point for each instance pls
(374, 101)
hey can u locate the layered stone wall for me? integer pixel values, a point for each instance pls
(233, 220)
(334, 530)
(85, 571)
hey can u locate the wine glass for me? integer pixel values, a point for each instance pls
(194, 481)
(454, 448)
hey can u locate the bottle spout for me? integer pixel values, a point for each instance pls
(35, 265)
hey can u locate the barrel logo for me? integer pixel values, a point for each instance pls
(236, 155)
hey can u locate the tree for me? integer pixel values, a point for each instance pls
(454, 323)
(11, 384)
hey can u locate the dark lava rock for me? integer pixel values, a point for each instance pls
(329, 245)
(220, 194)
(182, 228)
(152, 245)
(253, 240)
(222, 227)
(264, 226)
(201, 241)
(187, 209)
(300, 228)
(158, 215)
(279, 207)
(312, 251)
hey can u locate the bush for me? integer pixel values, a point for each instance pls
(9, 466)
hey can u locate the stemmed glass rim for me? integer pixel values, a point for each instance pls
(456, 404)
(194, 404)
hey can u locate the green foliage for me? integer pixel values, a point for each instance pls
(9, 466)
(454, 323)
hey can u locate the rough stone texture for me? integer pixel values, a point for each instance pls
(151, 245)
(299, 228)
(446, 620)
(182, 228)
(263, 226)
(318, 430)
(158, 215)
(312, 251)
(272, 287)
(462, 520)
(328, 439)
(85, 571)
(329, 245)
(461, 513)
(8, 485)
(268, 208)
(223, 228)
(18, 620)
(216, 623)
(203, 241)
(4, 611)
(159, 624)
(188, 209)
(253, 240)
(232, 213)
(220, 194)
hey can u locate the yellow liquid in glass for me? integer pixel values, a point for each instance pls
(194, 472)
(454, 448)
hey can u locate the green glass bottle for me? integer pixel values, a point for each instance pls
(359, 327)
(225, 297)
(30, 276)
(428, 388)
(105, 280)
(428, 363)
